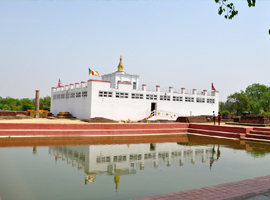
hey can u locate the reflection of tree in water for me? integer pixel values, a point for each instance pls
(257, 154)
(212, 158)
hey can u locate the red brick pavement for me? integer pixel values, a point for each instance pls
(234, 190)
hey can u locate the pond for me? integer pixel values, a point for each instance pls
(122, 167)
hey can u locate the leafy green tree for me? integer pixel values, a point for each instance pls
(27, 104)
(10, 104)
(225, 106)
(45, 103)
(259, 98)
(256, 90)
(239, 102)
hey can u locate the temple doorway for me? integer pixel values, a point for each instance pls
(153, 107)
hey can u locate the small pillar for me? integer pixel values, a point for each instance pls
(157, 88)
(83, 84)
(194, 91)
(205, 92)
(171, 89)
(71, 86)
(37, 104)
(216, 92)
(54, 89)
(144, 87)
(183, 90)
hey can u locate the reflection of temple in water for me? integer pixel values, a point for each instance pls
(127, 158)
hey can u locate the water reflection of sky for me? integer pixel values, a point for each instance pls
(123, 171)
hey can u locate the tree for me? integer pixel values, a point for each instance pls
(10, 104)
(45, 103)
(229, 8)
(27, 104)
(225, 106)
(239, 102)
(259, 98)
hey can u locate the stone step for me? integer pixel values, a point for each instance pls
(93, 132)
(217, 133)
(258, 136)
(257, 132)
(231, 129)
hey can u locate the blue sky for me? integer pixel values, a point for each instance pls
(181, 43)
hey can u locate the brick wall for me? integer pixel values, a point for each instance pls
(256, 119)
(12, 113)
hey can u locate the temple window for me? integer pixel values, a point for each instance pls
(175, 98)
(121, 95)
(78, 94)
(104, 94)
(200, 100)
(72, 95)
(189, 99)
(136, 96)
(210, 100)
(84, 94)
(165, 98)
(151, 96)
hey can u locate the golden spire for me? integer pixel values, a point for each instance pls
(120, 66)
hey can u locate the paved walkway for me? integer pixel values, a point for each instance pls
(251, 189)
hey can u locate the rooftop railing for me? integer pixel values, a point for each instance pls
(142, 88)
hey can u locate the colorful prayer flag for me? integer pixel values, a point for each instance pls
(93, 72)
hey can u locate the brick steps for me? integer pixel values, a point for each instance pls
(256, 132)
(217, 133)
(227, 132)
(230, 129)
(90, 132)
(91, 126)
(259, 134)
(131, 129)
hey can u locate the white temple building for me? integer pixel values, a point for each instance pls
(119, 96)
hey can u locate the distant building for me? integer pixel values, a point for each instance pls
(119, 96)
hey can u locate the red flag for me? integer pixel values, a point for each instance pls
(59, 83)
(213, 88)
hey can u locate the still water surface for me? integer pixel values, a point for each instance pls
(126, 171)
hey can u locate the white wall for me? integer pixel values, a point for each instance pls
(77, 106)
(128, 108)
(136, 109)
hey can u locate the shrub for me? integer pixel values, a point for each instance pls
(265, 113)
(225, 112)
